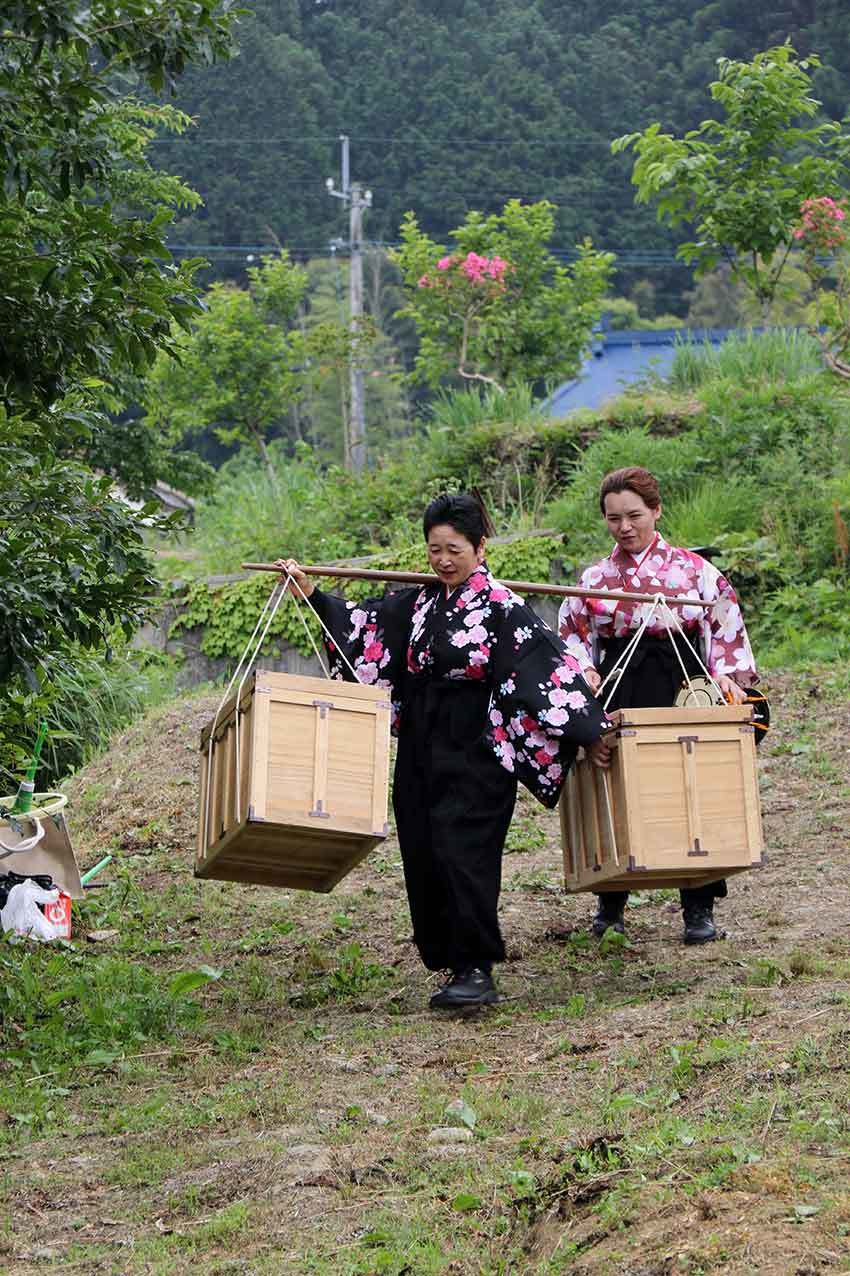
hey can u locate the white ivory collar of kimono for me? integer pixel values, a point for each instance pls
(657, 543)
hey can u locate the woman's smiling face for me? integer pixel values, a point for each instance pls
(451, 555)
(630, 520)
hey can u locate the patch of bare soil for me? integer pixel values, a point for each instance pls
(653, 1110)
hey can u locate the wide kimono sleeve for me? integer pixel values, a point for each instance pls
(725, 639)
(367, 641)
(576, 629)
(542, 710)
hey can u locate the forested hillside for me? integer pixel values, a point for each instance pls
(457, 104)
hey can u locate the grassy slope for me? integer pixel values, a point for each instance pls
(649, 1110)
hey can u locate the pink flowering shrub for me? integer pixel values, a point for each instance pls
(497, 307)
(473, 269)
(821, 224)
(822, 235)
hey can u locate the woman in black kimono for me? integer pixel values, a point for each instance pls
(484, 694)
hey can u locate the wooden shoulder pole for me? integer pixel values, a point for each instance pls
(518, 586)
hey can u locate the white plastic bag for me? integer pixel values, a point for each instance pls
(22, 914)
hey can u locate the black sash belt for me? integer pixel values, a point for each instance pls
(653, 676)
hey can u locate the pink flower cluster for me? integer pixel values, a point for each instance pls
(821, 222)
(477, 269)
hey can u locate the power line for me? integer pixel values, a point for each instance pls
(409, 142)
(241, 252)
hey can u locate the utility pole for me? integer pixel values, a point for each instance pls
(357, 199)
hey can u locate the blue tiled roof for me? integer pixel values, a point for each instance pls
(620, 358)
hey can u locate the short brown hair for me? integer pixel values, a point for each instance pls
(634, 478)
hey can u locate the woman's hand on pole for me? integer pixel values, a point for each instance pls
(600, 754)
(733, 693)
(592, 678)
(294, 577)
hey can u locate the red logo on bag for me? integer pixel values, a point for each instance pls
(59, 913)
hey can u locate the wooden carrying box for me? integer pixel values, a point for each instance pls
(312, 788)
(679, 805)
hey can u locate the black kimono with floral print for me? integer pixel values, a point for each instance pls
(484, 694)
(540, 708)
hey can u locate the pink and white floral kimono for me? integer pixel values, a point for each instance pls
(484, 695)
(596, 630)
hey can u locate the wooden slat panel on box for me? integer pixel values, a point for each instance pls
(312, 800)
(678, 807)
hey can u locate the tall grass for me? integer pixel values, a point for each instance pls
(249, 515)
(711, 509)
(499, 442)
(464, 409)
(779, 354)
(91, 695)
(676, 462)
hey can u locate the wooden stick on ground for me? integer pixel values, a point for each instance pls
(519, 586)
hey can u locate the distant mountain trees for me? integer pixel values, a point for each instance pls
(462, 105)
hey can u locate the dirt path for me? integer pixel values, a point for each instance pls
(645, 1110)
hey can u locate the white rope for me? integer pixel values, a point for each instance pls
(253, 646)
(238, 707)
(660, 607)
(222, 703)
(668, 614)
(619, 666)
(26, 843)
(355, 675)
(308, 631)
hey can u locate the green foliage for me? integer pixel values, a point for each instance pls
(85, 697)
(729, 464)
(243, 363)
(60, 1009)
(708, 510)
(772, 356)
(530, 322)
(677, 461)
(324, 409)
(622, 312)
(806, 625)
(527, 108)
(500, 443)
(87, 284)
(229, 613)
(740, 181)
(72, 559)
(89, 295)
(348, 975)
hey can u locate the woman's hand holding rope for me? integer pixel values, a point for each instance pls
(295, 579)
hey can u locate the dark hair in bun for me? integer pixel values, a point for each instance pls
(464, 511)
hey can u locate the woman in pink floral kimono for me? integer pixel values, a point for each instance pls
(596, 633)
(484, 695)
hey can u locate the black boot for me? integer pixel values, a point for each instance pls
(609, 913)
(699, 924)
(472, 986)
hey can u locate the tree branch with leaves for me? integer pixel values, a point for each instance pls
(90, 294)
(740, 181)
(499, 308)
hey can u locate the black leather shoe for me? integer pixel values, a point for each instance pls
(470, 987)
(699, 926)
(609, 916)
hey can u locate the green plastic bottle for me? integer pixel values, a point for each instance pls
(23, 800)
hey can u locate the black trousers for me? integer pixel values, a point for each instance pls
(453, 803)
(651, 680)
